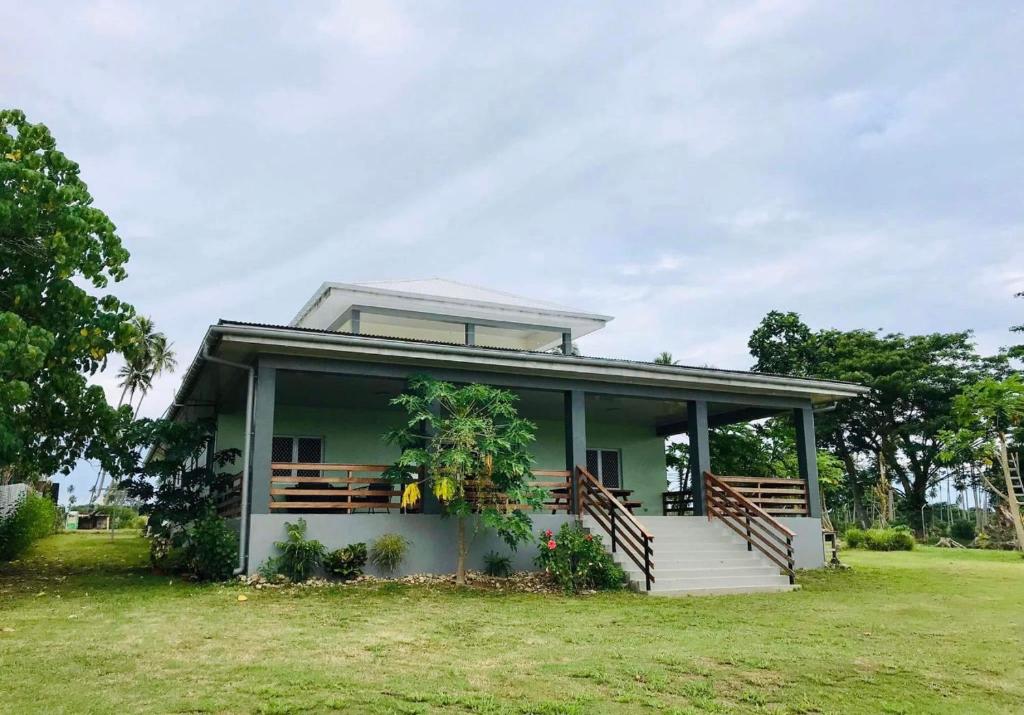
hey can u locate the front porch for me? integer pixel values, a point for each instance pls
(317, 451)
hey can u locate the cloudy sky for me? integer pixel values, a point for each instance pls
(685, 167)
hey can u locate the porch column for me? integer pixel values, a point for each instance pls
(700, 450)
(263, 437)
(807, 458)
(575, 438)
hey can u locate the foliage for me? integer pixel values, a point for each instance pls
(298, 557)
(213, 549)
(577, 560)
(387, 552)
(963, 531)
(894, 539)
(54, 333)
(496, 564)
(473, 447)
(123, 517)
(346, 563)
(913, 380)
(175, 486)
(34, 517)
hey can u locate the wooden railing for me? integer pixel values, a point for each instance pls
(759, 529)
(231, 505)
(337, 487)
(554, 481)
(778, 497)
(304, 486)
(677, 503)
(618, 522)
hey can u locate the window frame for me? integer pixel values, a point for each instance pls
(295, 453)
(600, 466)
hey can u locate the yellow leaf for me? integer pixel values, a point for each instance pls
(410, 495)
(243, 597)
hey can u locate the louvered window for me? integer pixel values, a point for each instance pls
(606, 465)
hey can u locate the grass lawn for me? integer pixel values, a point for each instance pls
(86, 628)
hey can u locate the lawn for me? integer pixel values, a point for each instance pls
(86, 628)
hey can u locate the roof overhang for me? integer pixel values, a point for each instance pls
(244, 342)
(333, 300)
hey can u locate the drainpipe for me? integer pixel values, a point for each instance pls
(243, 527)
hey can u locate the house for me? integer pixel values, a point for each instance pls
(307, 404)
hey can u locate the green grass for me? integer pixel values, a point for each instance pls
(93, 631)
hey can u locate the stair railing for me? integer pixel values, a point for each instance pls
(753, 524)
(626, 532)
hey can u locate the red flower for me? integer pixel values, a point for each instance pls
(548, 533)
(552, 545)
(589, 537)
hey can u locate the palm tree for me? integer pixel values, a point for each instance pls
(665, 358)
(154, 358)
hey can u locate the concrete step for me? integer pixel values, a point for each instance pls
(724, 591)
(710, 581)
(671, 574)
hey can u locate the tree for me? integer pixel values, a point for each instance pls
(54, 333)
(896, 427)
(473, 451)
(987, 414)
(1017, 351)
(665, 358)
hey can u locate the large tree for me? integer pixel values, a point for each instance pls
(913, 379)
(57, 327)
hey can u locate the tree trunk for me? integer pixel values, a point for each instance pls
(1011, 495)
(460, 567)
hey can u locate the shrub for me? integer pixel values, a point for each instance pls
(299, 556)
(577, 560)
(346, 563)
(896, 539)
(213, 549)
(854, 537)
(963, 531)
(496, 564)
(33, 518)
(387, 552)
(168, 557)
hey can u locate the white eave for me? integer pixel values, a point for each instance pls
(287, 340)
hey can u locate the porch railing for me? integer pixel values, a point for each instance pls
(776, 496)
(617, 521)
(305, 486)
(759, 529)
(231, 505)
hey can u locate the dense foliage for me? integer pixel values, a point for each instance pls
(472, 447)
(496, 564)
(56, 250)
(893, 539)
(577, 560)
(34, 517)
(171, 473)
(347, 562)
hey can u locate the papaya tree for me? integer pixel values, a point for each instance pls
(471, 450)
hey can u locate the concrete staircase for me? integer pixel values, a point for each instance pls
(693, 556)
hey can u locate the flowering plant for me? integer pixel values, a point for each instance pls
(577, 560)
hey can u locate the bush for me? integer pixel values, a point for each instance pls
(854, 537)
(346, 563)
(387, 552)
(896, 539)
(577, 560)
(963, 531)
(299, 556)
(213, 549)
(497, 565)
(33, 518)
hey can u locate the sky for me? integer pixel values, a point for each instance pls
(684, 167)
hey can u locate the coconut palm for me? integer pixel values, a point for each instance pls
(665, 358)
(154, 358)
